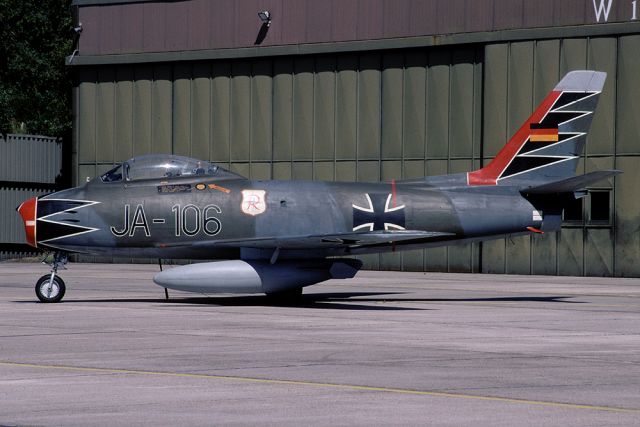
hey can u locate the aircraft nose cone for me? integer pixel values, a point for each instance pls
(27, 211)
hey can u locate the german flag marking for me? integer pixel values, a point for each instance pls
(543, 135)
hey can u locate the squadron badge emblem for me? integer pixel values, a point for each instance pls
(253, 202)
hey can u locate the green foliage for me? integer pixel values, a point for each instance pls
(35, 84)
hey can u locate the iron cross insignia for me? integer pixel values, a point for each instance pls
(379, 215)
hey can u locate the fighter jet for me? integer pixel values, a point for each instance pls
(276, 237)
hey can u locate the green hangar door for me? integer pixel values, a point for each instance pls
(382, 115)
(599, 236)
(355, 116)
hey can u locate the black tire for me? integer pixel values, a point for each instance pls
(290, 296)
(54, 294)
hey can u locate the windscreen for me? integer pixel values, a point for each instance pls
(114, 175)
(163, 167)
(167, 167)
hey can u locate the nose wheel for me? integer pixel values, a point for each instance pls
(51, 287)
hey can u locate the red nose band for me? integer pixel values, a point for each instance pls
(27, 211)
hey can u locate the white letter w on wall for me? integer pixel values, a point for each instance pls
(602, 9)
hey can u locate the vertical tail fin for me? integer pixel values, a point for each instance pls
(548, 145)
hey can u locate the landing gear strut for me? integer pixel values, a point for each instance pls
(50, 287)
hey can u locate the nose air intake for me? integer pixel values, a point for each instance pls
(27, 211)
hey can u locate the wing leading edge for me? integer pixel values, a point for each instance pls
(367, 238)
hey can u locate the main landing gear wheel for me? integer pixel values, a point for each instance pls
(50, 289)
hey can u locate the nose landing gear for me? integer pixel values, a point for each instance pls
(51, 287)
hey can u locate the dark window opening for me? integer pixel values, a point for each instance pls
(600, 207)
(573, 211)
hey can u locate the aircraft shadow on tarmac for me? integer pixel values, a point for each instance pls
(332, 300)
(335, 301)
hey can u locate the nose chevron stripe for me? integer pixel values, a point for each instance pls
(49, 225)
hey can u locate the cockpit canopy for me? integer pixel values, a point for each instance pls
(163, 166)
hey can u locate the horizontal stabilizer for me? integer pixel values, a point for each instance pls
(572, 184)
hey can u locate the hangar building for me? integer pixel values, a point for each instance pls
(368, 90)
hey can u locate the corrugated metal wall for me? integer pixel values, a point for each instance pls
(30, 158)
(372, 116)
(30, 165)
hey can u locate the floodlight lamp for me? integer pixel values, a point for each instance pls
(265, 17)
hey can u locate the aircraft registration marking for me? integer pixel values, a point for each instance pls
(189, 220)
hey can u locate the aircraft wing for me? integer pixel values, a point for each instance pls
(352, 239)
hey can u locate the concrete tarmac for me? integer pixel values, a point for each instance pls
(383, 348)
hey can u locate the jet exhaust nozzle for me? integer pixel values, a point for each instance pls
(249, 277)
